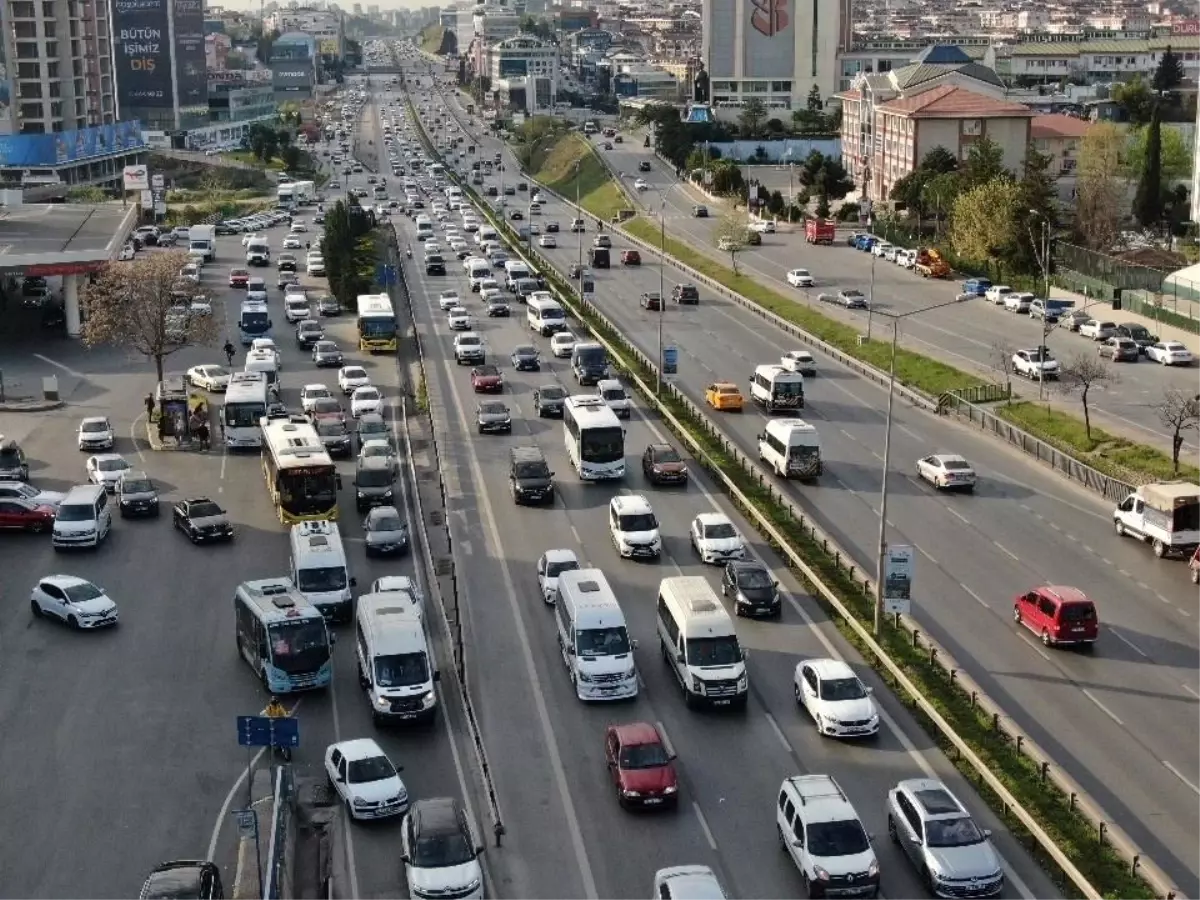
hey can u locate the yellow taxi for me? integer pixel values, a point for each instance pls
(723, 395)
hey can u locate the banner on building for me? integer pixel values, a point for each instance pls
(190, 67)
(60, 148)
(142, 51)
(136, 178)
(897, 578)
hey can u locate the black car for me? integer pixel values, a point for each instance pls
(551, 228)
(509, 190)
(192, 878)
(526, 359)
(491, 191)
(643, 166)
(136, 495)
(202, 519)
(522, 186)
(493, 417)
(333, 434)
(385, 531)
(326, 354)
(662, 464)
(308, 332)
(1139, 334)
(435, 265)
(686, 293)
(286, 263)
(329, 305)
(752, 588)
(548, 401)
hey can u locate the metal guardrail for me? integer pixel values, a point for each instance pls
(278, 877)
(1107, 830)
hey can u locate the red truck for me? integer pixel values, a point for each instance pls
(819, 231)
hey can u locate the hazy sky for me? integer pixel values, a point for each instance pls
(252, 5)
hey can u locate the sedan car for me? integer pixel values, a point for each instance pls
(385, 531)
(291, 242)
(201, 519)
(75, 601)
(380, 447)
(351, 378)
(286, 262)
(550, 565)
(311, 393)
(334, 435)
(106, 469)
(852, 299)
(640, 766)
(840, 704)
(662, 464)
(365, 779)
(800, 278)
(631, 258)
(96, 433)
(308, 332)
(448, 300)
(547, 241)
(724, 395)
(20, 514)
(497, 307)
(239, 278)
(715, 539)
(651, 300)
(366, 400)
(325, 354)
(548, 400)
(753, 589)
(196, 878)
(1169, 353)
(801, 361)
(460, 320)
(210, 378)
(525, 358)
(551, 227)
(493, 417)
(329, 305)
(371, 427)
(1120, 349)
(486, 379)
(562, 345)
(947, 471)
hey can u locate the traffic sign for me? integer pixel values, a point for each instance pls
(247, 823)
(385, 274)
(670, 358)
(263, 731)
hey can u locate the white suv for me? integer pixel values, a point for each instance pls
(823, 835)
(1036, 363)
(633, 527)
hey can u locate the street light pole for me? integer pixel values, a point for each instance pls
(1044, 261)
(662, 300)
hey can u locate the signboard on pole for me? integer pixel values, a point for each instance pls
(137, 178)
(156, 182)
(670, 358)
(147, 199)
(897, 578)
(264, 731)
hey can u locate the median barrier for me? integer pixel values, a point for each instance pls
(277, 875)
(1074, 797)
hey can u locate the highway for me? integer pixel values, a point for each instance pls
(566, 833)
(1128, 706)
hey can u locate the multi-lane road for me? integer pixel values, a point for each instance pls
(1128, 707)
(566, 834)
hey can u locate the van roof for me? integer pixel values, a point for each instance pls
(701, 613)
(81, 493)
(785, 429)
(392, 624)
(320, 538)
(591, 599)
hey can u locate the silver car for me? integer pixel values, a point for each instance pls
(953, 854)
(385, 531)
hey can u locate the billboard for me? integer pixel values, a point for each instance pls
(510, 68)
(142, 51)
(136, 178)
(190, 68)
(30, 150)
(294, 75)
(769, 39)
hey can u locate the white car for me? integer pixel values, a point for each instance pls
(127, 253)
(311, 393)
(687, 883)
(488, 294)
(799, 361)
(191, 273)
(460, 320)
(838, 702)
(200, 306)
(291, 242)
(881, 249)
(79, 603)
(210, 378)
(641, 185)
(1036, 363)
(266, 345)
(365, 779)
(351, 378)
(800, 278)
(251, 236)
(1170, 353)
(996, 293)
(441, 858)
(947, 471)
(633, 527)
(1018, 301)
(715, 539)
(547, 240)
(96, 433)
(763, 226)
(562, 344)
(106, 469)
(1097, 330)
(298, 228)
(399, 584)
(315, 265)
(447, 300)
(366, 400)
(550, 565)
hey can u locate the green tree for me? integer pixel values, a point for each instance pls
(986, 222)
(939, 161)
(1175, 153)
(1148, 202)
(292, 157)
(349, 251)
(1135, 99)
(1100, 188)
(753, 114)
(1169, 74)
(775, 204)
(939, 194)
(985, 162)
(1039, 203)
(910, 191)
(825, 177)
(813, 103)
(88, 194)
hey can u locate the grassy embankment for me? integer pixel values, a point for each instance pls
(555, 167)
(431, 38)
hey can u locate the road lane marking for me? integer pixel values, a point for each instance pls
(668, 745)
(925, 553)
(1108, 712)
(779, 732)
(1036, 649)
(351, 864)
(62, 368)
(708, 835)
(910, 433)
(136, 446)
(1191, 690)
(1174, 771)
(1003, 549)
(977, 598)
(958, 515)
(575, 534)
(1128, 643)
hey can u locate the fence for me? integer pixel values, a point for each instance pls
(277, 875)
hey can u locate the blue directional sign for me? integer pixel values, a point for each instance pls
(670, 359)
(385, 274)
(263, 731)
(247, 823)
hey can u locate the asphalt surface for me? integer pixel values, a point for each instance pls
(570, 836)
(135, 727)
(1128, 706)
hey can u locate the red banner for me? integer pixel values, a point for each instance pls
(1191, 26)
(67, 268)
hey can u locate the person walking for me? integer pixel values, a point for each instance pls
(229, 350)
(149, 401)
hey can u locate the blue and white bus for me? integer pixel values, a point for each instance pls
(282, 636)
(245, 405)
(254, 321)
(594, 437)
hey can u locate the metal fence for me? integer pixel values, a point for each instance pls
(277, 881)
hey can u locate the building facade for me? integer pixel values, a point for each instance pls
(216, 51)
(325, 25)
(523, 72)
(293, 63)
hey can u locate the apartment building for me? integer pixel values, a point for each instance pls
(216, 51)
(523, 72)
(1102, 60)
(645, 82)
(325, 25)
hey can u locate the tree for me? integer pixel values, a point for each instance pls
(349, 251)
(1135, 99)
(753, 114)
(985, 224)
(939, 194)
(1038, 205)
(1148, 202)
(88, 194)
(730, 235)
(939, 161)
(825, 177)
(813, 102)
(985, 162)
(1002, 351)
(1082, 373)
(1169, 74)
(140, 305)
(1100, 189)
(911, 189)
(775, 204)
(1179, 414)
(1175, 154)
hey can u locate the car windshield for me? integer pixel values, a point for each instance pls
(844, 838)
(299, 645)
(401, 670)
(643, 756)
(331, 428)
(354, 372)
(851, 294)
(326, 347)
(137, 486)
(602, 445)
(637, 522)
(326, 578)
(532, 470)
(82, 592)
(386, 522)
(720, 531)
(374, 478)
(493, 409)
(552, 393)
(468, 342)
(959, 832)
(754, 579)
(244, 415)
(613, 394)
(525, 351)
(327, 405)
(440, 849)
(714, 651)
(76, 512)
(612, 641)
(842, 689)
(487, 371)
(364, 771)
(95, 426)
(366, 394)
(204, 510)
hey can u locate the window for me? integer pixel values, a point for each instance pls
(51, 29)
(27, 50)
(22, 11)
(972, 127)
(1046, 606)
(27, 30)
(30, 90)
(31, 110)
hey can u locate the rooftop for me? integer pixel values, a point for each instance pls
(42, 238)
(1058, 126)
(952, 102)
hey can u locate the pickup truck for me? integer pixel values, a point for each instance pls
(930, 264)
(1166, 516)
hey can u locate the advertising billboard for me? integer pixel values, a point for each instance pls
(142, 51)
(59, 148)
(190, 67)
(769, 39)
(510, 68)
(295, 75)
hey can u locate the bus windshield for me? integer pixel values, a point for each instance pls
(714, 651)
(254, 322)
(401, 670)
(310, 492)
(591, 356)
(602, 445)
(244, 415)
(611, 641)
(300, 646)
(381, 327)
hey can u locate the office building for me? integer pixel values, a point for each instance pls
(326, 25)
(524, 73)
(293, 64)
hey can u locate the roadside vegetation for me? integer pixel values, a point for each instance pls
(566, 163)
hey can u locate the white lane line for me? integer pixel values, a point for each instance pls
(1055, 527)
(847, 434)
(1127, 574)
(910, 433)
(575, 534)
(1174, 771)
(137, 446)
(665, 738)
(1089, 550)
(1143, 585)
(1003, 549)
(1161, 597)
(976, 597)
(778, 732)
(351, 864)
(958, 515)
(1108, 712)
(708, 835)
(1191, 690)
(1128, 643)
(925, 553)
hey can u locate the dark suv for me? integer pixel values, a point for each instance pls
(686, 293)
(183, 878)
(374, 480)
(529, 477)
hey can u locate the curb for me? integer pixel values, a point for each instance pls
(31, 405)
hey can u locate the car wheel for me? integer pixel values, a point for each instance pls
(1047, 641)
(36, 609)
(73, 622)
(1017, 614)
(1119, 526)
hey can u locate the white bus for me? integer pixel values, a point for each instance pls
(376, 323)
(245, 404)
(594, 437)
(301, 477)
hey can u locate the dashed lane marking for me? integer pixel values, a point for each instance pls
(1104, 709)
(1128, 643)
(708, 835)
(1005, 550)
(1174, 771)
(778, 732)
(975, 596)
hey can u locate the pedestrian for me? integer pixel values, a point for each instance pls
(149, 401)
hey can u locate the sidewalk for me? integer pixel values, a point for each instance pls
(251, 860)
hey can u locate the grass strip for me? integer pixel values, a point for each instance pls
(591, 182)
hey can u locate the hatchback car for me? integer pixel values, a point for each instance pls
(78, 603)
(1120, 349)
(753, 589)
(526, 358)
(640, 766)
(840, 704)
(493, 417)
(365, 779)
(715, 539)
(1058, 615)
(326, 354)
(106, 469)
(440, 856)
(96, 433)
(385, 531)
(550, 565)
(548, 400)
(195, 878)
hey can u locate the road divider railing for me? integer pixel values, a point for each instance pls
(278, 872)
(1001, 758)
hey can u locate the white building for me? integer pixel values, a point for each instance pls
(524, 70)
(324, 25)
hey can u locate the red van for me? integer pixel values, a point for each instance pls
(1058, 615)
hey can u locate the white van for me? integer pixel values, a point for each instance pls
(698, 641)
(514, 270)
(395, 667)
(258, 252)
(319, 569)
(424, 228)
(478, 269)
(777, 389)
(545, 314)
(791, 447)
(486, 233)
(83, 518)
(296, 308)
(266, 362)
(592, 637)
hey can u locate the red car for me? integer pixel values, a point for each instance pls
(25, 515)
(239, 278)
(631, 258)
(640, 765)
(487, 380)
(1058, 615)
